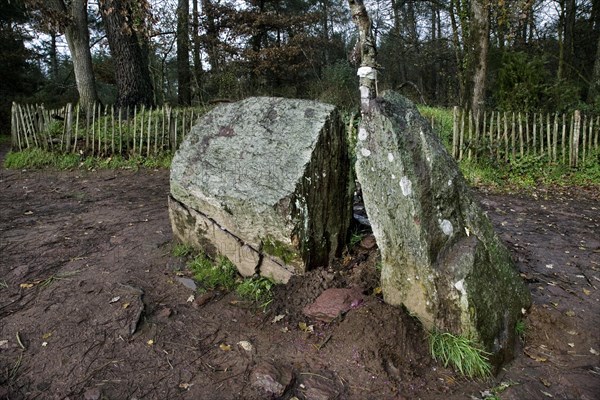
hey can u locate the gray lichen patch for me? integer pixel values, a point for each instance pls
(273, 173)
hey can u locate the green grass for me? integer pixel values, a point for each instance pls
(531, 171)
(355, 238)
(443, 121)
(460, 353)
(258, 290)
(35, 158)
(182, 250)
(220, 274)
(521, 328)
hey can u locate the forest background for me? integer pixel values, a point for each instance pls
(519, 55)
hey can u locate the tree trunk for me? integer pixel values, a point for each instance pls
(368, 64)
(594, 91)
(197, 49)
(459, 53)
(480, 26)
(183, 53)
(78, 40)
(132, 74)
(212, 35)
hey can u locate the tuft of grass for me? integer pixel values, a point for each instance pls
(521, 328)
(182, 250)
(3, 284)
(258, 290)
(220, 274)
(356, 238)
(460, 353)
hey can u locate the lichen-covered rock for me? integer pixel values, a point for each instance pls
(441, 257)
(264, 181)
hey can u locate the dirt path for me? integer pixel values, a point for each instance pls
(90, 306)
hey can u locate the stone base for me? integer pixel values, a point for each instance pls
(202, 233)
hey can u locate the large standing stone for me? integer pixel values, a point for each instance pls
(264, 182)
(441, 257)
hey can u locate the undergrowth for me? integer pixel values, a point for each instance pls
(222, 274)
(531, 171)
(36, 158)
(217, 274)
(258, 290)
(460, 353)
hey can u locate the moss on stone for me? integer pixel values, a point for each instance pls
(278, 249)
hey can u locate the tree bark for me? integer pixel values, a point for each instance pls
(132, 74)
(459, 53)
(196, 40)
(594, 91)
(212, 36)
(481, 34)
(78, 40)
(183, 53)
(368, 61)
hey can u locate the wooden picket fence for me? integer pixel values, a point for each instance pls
(561, 138)
(103, 130)
(106, 131)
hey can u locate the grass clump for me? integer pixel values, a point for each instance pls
(460, 353)
(278, 249)
(258, 290)
(182, 250)
(220, 274)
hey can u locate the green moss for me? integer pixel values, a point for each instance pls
(278, 249)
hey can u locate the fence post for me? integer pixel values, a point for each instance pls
(549, 137)
(77, 109)
(68, 125)
(574, 155)
(583, 138)
(521, 146)
(455, 132)
(555, 138)
(563, 141)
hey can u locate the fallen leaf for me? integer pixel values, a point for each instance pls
(150, 342)
(46, 335)
(573, 333)
(549, 266)
(191, 298)
(571, 344)
(545, 382)
(593, 351)
(586, 292)
(44, 344)
(225, 347)
(546, 394)
(246, 345)
(306, 328)
(534, 357)
(3, 343)
(278, 318)
(125, 305)
(186, 386)
(377, 290)
(467, 232)
(28, 213)
(570, 313)
(114, 299)
(26, 285)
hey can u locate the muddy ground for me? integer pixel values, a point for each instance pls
(91, 308)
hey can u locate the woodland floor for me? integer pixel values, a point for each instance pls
(87, 280)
